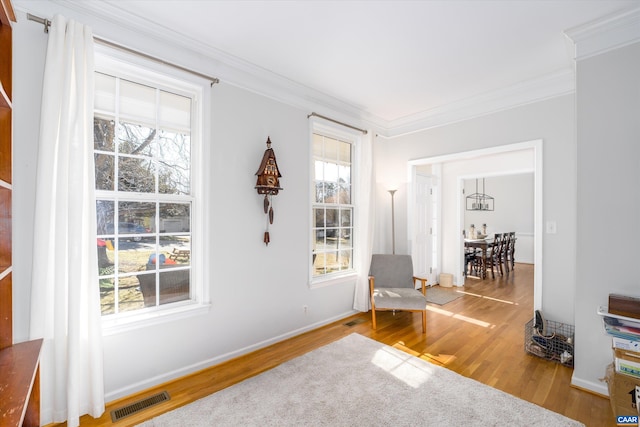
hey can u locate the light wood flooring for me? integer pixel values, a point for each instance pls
(480, 335)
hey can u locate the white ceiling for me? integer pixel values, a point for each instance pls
(391, 60)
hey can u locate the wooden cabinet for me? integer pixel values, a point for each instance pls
(19, 363)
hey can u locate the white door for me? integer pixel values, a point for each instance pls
(425, 228)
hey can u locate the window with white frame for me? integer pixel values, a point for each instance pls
(332, 204)
(147, 135)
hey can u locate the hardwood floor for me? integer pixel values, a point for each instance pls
(480, 336)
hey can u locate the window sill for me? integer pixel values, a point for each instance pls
(145, 318)
(321, 282)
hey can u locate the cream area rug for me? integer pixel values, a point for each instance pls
(356, 381)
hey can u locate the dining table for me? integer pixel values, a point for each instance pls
(482, 244)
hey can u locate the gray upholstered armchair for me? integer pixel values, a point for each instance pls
(392, 286)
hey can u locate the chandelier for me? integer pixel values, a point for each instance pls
(479, 201)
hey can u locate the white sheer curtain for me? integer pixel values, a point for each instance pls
(65, 301)
(365, 220)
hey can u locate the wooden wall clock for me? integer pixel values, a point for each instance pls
(268, 183)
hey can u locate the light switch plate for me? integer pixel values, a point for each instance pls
(551, 227)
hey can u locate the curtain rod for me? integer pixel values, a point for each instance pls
(364, 131)
(47, 24)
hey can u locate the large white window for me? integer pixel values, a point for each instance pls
(333, 210)
(147, 139)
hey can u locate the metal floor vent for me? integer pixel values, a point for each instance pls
(355, 322)
(140, 405)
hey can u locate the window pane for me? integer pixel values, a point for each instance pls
(175, 217)
(344, 154)
(174, 286)
(318, 170)
(320, 191)
(331, 172)
(344, 194)
(317, 145)
(133, 256)
(345, 217)
(318, 214)
(137, 139)
(105, 210)
(174, 111)
(104, 131)
(136, 175)
(332, 219)
(319, 264)
(105, 257)
(344, 260)
(345, 237)
(319, 235)
(107, 298)
(330, 149)
(129, 294)
(136, 218)
(138, 101)
(105, 93)
(344, 174)
(104, 164)
(175, 250)
(175, 157)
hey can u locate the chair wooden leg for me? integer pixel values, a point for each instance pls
(424, 321)
(373, 317)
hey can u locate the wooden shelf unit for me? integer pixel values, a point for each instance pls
(6, 163)
(19, 363)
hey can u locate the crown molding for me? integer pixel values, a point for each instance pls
(605, 34)
(527, 92)
(109, 22)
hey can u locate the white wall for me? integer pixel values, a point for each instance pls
(552, 121)
(257, 291)
(608, 106)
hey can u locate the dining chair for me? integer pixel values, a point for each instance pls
(504, 258)
(510, 251)
(473, 261)
(495, 255)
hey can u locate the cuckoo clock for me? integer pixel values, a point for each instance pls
(268, 183)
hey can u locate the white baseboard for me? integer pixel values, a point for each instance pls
(597, 388)
(186, 370)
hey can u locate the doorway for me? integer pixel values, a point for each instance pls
(447, 172)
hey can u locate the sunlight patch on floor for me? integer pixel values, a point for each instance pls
(441, 359)
(490, 298)
(460, 317)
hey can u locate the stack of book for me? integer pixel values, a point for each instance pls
(621, 320)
